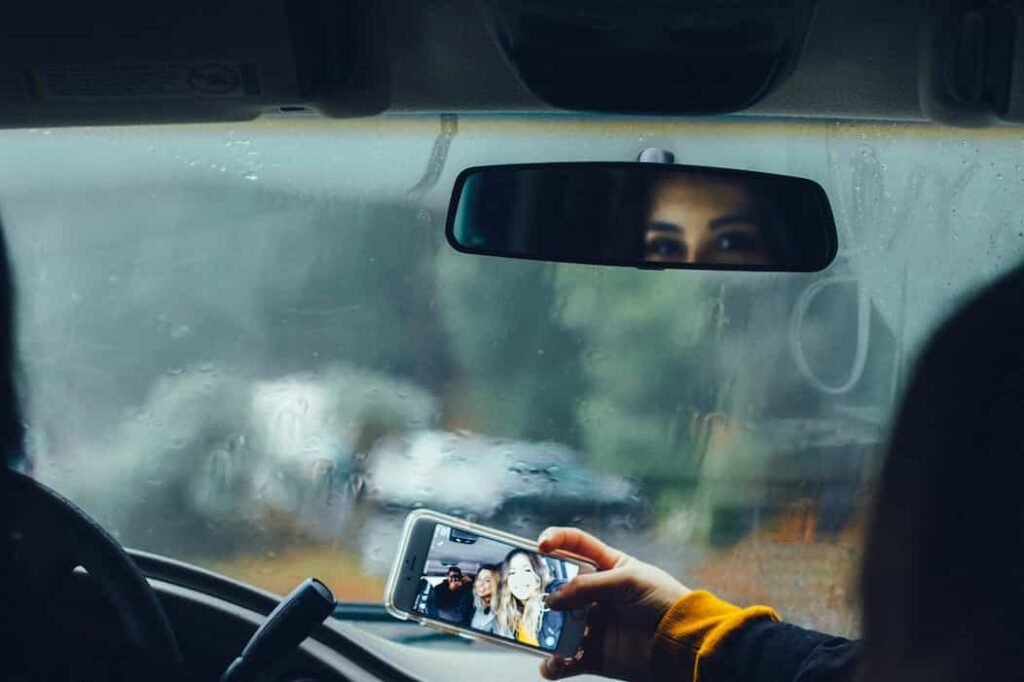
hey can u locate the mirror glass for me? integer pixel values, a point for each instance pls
(643, 215)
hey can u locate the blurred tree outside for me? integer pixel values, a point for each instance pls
(649, 361)
(517, 370)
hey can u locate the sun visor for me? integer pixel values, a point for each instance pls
(972, 63)
(186, 61)
(651, 57)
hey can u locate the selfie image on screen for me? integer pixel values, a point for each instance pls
(492, 587)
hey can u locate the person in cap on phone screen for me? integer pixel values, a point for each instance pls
(453, 598)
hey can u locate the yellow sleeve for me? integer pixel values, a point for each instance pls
(690, 631)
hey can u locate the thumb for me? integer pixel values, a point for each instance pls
(555, 668)
(583, 590)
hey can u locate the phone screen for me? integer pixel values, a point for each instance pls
(493, 587)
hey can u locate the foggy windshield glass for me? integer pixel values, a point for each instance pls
(249, 347)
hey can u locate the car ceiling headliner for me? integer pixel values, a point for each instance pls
(861, 59)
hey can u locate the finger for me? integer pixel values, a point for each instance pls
(555, 668)
(587, 657)
(582, 543)
(583, 590)
(591, 652)
(551, 668)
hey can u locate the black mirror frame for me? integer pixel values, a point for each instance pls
(828, 219)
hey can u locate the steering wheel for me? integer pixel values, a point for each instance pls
(49, 537)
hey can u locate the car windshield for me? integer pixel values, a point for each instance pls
(249, 346)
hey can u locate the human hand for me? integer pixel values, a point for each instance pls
(630, 597)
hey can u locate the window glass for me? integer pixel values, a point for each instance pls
(249, 346)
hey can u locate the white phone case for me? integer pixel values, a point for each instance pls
(485, 531)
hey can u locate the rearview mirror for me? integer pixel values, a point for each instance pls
(643, 215)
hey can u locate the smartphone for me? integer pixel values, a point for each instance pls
(485, 584)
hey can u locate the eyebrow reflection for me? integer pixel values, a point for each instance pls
(737, 219)
(659, 226)
(716, 224)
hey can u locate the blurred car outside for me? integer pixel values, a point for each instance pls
(508, 483)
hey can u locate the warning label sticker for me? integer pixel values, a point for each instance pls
(84, 82)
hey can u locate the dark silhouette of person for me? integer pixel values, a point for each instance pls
(453, 598)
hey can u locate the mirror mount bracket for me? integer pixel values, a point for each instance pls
(656, 155)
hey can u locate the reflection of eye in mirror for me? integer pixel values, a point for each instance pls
(643, 215)
(694, 219)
